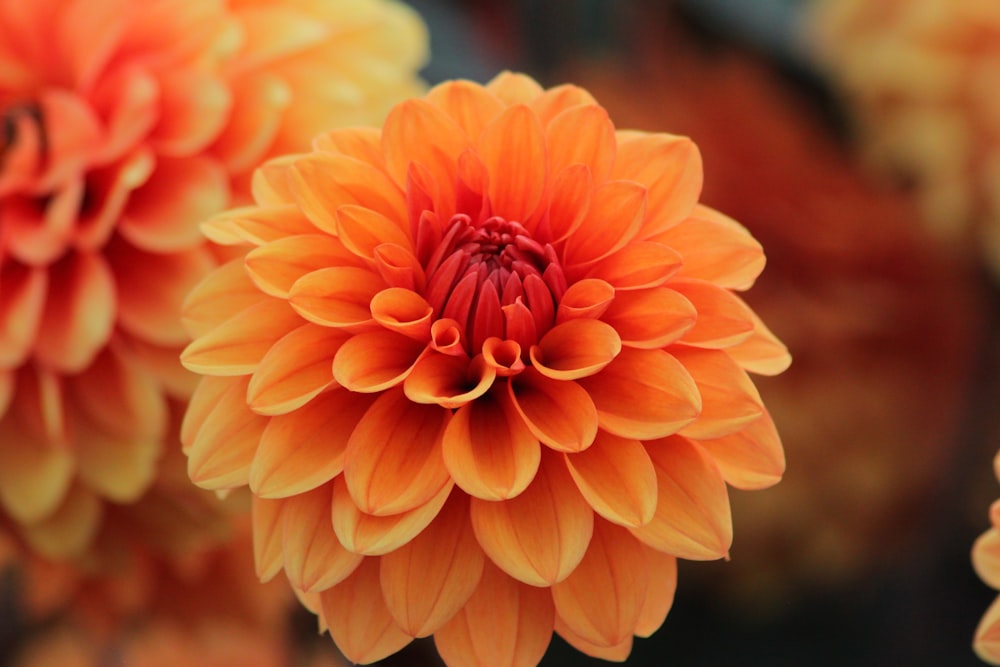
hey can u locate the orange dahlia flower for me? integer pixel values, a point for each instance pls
(124, 123)
(485, 374)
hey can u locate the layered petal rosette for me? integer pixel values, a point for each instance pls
(485, 373)
(123, 124)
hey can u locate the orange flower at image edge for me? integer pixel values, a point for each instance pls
(484, 373)
(986, 561)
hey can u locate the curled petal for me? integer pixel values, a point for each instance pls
(652, 318)
(428, 580)
(504, 356)
(692, 517)
(587, 298)
(644, 394)
(314, 558)
(729, 399)
(488, 449)
(377, 535)
(559, 413)
(376, 361)
(276, 266)
(399, 267)
(393, 461)
(751, 458)
(448, 381)
(513, 145)
(661, 585)
(362, 230)
(639, 265)
(540, 536)
(337, 296)
(267, 528)
(305, 448)
(403, 311)
(575, 349)
(617, 478)
(359, 620)
(723, 319)
(504, 624)
(447, 337)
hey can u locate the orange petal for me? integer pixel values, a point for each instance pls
(661, 586)
(204, 399)
(671, 169)
(223, 448)
(314, 558)
(399, 267)
(362, 230)
(359, 619)
(417, 131)
(575, 349)
(514, 87)
(376, 535)
(276, 266)
(256, 225)
(488, 449)
(79, 313)
(428, 580)
(337, 296)
(572, 190)
(224, 293)
(616, 653)
(762, 352)
(550, 103)
(652, 318)
(639, 265)
(403, 311)
(259, 102)
(589, 298)
(603, 597)
(751, 458)
(195, 105)
(267, 529)
(34, 476)
(449, 381)
(294, 370)
(617, 478)
(986, 642)
(644, 394)
(986, 557)
(729, 400)
(272, 33)
(68, 531)
(615, 215)
(540, 536)
(393, 461)
(716, 249)
(504, 356)
(304, 449)
(560, 414)
(582, 135)
(118, 468)
(362, 143)
(723, 319)
(376, 361)
(512, 148)
(20, 311)
(470, 105)
(504, 624)
(692, 517)
(237, 345)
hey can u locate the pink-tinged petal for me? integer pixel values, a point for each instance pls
(222, 294)
(68, 531)
(323, 182)
(361, 143)
(377, 535)
(267, 536)
(338, 296)
(644, 394)
(669, 167)
(417, 131)
(559, 413)
(79, 313)
(692, 517)
(661, 585)
(362, 230)
(575, 349)
(504, 624)
(616, 653)
(587, 298)
(488, 450)
(152, 288)
(403, 311)
(723, 319)
(613, 219)
(305, 449)
(716, 249)
(617, 478)
(222, 449)
(294, 370)
(514, 87)
(259, 102)
(314, 558)
(237, 345)
(21, 310)
(276, 266)
(651, 318)
(512, 148)
(34, 476)
(553, 101)
(257, 225)
(762, 352)
(448, 380)
(603, 597)
(164, 214)
(429, 579)
(376, 361)
(195, 106)
(569, 202)
(729, 400)
(540, 536)
(504, 356)
(582, 135)
(470, 105)
(359, 620)
(751, 458)
(393, 461)
(639, 265)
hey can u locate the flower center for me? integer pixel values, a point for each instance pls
(494, 279)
